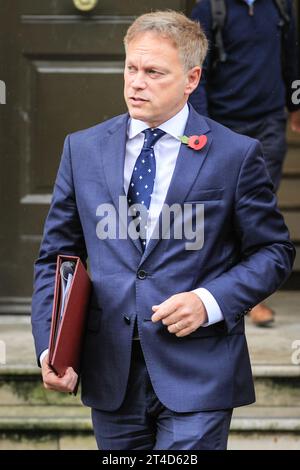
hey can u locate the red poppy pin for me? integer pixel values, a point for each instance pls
(196, 142)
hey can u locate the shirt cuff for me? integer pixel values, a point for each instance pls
(212, 307)
(43, 354)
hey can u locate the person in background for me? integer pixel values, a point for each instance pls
(247, 79)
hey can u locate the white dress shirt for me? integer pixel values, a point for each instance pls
(166, 150)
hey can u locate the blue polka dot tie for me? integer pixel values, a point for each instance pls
(142, 179)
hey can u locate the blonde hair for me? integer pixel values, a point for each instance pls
(186, 35)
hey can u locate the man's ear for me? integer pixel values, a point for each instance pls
(193, 78)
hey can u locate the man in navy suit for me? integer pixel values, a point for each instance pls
(165, 358)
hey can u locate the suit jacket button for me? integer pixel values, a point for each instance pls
(238, 317)
(141, 274)
(127, 319)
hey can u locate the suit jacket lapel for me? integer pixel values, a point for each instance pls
(114, 147)
(188, 165)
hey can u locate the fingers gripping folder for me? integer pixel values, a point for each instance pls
(71, 299)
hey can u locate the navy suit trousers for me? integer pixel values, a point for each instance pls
(270, 131)
(143, 422)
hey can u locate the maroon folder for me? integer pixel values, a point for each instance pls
(69, 316)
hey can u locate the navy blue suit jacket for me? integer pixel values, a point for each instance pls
(246, 256)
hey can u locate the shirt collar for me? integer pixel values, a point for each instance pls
(174, 126)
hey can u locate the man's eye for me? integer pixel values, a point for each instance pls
(130, 68)
(154, 73)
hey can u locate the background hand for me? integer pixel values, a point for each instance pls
(295, 121)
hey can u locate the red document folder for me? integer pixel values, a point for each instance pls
(68, 324)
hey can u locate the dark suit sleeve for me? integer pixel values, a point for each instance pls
(202, 14)
(266, 252)
(62, 235)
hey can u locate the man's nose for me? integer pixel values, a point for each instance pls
(138, 80)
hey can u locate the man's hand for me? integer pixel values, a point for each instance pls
(66, 383)
(181, 313)
(295, 121)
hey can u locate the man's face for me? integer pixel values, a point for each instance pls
(156, 85)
